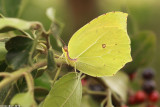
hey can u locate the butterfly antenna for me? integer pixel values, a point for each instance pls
(61, 41)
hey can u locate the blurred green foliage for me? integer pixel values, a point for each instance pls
(143, 25)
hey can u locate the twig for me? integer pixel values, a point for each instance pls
(11, 77)
(117, 97)
(4, 74)
(103, 102)
(109, 99)
(83, 76)
(34, 46)
(57, 73)
(86, 90)
(30, 83)
(17, 74)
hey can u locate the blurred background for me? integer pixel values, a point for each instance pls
(143, 24)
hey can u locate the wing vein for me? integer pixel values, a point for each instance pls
(94, 66)
(91, 45)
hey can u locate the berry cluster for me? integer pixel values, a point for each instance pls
(148, 94)
(149, 85)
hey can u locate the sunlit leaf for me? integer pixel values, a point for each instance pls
(23, 99)
(67, 92)
(8, 24)
(118, 84)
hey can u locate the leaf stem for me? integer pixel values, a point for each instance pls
(86, 90)
(57, 73)
(30, 83)
(103, 102)
(117, 98)
(83, 76)
(46, 36)
(33, 47)
(109, 99)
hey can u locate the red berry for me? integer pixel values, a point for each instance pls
(132, 100)
(154, 96)
(140, 96)
(83, 81)
(132, 76)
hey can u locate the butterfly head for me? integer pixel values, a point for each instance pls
(65, 48)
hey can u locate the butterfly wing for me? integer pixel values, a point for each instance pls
(102, 46)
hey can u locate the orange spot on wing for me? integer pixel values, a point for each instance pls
(103, 45)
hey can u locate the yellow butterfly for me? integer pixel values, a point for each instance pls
(101, 47)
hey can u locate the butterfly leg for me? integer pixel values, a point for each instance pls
(75, 68)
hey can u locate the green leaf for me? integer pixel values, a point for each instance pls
(7, 93)
(66, 92)
(5, 36)
(3, 66)
(18, 51)
(56, 29)
(9, 7)
(23, 99)
(40, 94)
(143, 48)
(43, 81)
(50, 58)
(39, 72)
(8, 24)
(3, 51)
(41, 104)
(56, 26)
(12, 8)
(87, 101)
(118, 84)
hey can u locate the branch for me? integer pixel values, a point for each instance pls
(4, 74)
(30, 83)
(11, 77)
(19, 73)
